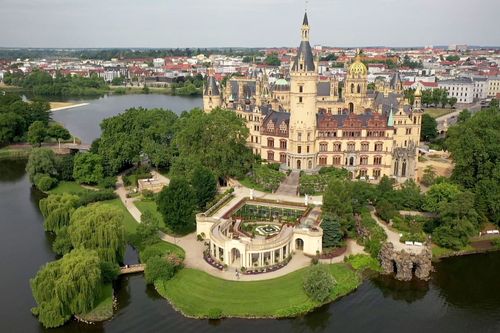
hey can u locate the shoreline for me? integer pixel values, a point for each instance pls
(68, 107)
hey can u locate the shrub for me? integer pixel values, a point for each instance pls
(149, 252)
(362, 262)
(109, 271)
(158, 268)
(108, 183)
(386, 210)
(95, 196)
(318, 283)
(214, 313)
(45, 182)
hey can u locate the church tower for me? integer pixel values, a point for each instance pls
(356, 86)
(211, 94)
(303, 94)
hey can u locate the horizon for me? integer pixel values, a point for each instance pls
(246, 24)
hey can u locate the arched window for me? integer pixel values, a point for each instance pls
(359, 89)
(352, 88)
(270, 142)
(322, 160)
(403, 169)
(351, 161)
(310, 164)
(396, 167)
(270, 155)
(298, 164)
(351, 107)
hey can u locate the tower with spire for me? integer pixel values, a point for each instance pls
(303, 95)
(211, 94)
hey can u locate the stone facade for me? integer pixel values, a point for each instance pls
(405, 264)
(304, 121)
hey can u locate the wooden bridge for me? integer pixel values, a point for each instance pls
(131, 269)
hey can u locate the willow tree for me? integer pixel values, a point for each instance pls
(57, 209)
(99, 227)
(68, 286)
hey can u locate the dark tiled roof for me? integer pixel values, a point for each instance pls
(277, 118)
(324, 88)
(305, 53)
(391, 100)
(341, 119)
(396, 81)
(212, 84)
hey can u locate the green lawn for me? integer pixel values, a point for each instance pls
(166, 247)
(438, 112)
(68, 187)
(104, 309)
(129, 222)
(197, 293)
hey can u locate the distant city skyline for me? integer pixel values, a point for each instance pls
(246, 23)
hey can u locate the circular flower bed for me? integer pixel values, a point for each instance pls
(267, 230)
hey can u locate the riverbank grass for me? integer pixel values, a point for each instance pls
(441, 252)
(68, 187)
(104, 309)
(14, 153)
(200, 295)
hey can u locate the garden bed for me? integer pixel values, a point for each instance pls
(333, 253)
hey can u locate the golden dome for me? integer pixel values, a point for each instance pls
(357, 67)
(418, 92)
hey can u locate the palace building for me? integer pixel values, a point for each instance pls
(306, 122)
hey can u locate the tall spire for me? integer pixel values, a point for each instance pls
(304, 61)
(305, 28)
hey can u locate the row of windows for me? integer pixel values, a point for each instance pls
(351, 161)
(351, 146)
(351, 134)
(270, 143)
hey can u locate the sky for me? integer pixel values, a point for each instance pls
(246, 23)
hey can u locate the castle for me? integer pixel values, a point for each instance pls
(306, 122)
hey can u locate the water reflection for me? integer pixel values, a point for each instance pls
(401, 291)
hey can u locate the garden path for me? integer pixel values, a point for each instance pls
(393, 237)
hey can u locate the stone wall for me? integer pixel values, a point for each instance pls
(403, 263)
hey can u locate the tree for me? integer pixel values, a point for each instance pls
(147, 230)
(318, 283)
(386, 210)
(57, 131)
(127, 137)
(99, 227)
(177, 204)
(464, 115)
(272, 60)
(11, 127)
(204, 185)
(68, 286)
(64, 167)
(409, 196)
(158, 268)
(56, 210)
(41, 161)
(37, 133)
(88, 168)
(216, 140)
(474, 146)
(117, 81)
(332, 232)
(337, 201)
(429, 176)
(444, 98)
(428, 131)
(452, 101)
(44, 182)
(439, 194)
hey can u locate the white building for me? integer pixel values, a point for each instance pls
(158, 62)
(462, 89)
(493, 86)
(480, 88)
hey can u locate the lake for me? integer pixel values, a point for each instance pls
(462, 296)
